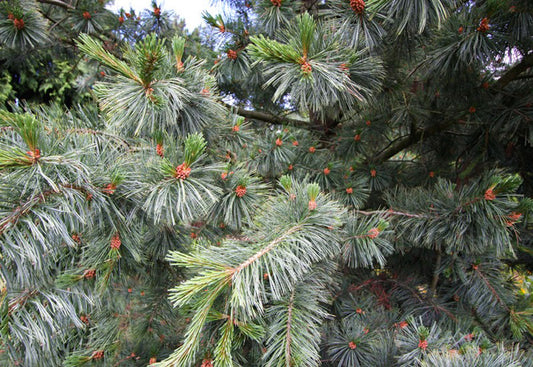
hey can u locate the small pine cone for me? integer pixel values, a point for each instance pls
(306, 68)
(207, 363)
(357, 137)
(160, 150)
(89, 273)
(34, 154)
(10, 16)
(311, 205)
(373, 172)
(312, 149)
(84, 319)
(276, 3)
(349, 190)
(235, 128)
(240, 191)
(97, 354)
(232, 54)
(109, 189)
(115, 242)
(182, 171)
(121, 19)
(358, 6)
(18, 23)
(327, 171)
(373, 233)
(483, 25)
(489, 195)
(279, 142)
(352, 345)
(153, 360)
(86, 15)
(157, 12)
(76, 238)
(422, 344)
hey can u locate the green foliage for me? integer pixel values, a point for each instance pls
(349, 185)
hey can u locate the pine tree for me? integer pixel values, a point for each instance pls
(349, 184)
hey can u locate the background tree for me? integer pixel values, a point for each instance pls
(359, 196)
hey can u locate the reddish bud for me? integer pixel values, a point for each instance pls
(182, 171)
(312, 149)
(160, 150)
(295, 143)
(232, 54)
(279, 142)
(489, 194)
(115, 242)
(97, 354)
(373, 233)
(312, 205)
(327, 171)
(89, 273)
(86, 15)
(483, 25)
(422, 344)
(109, 189)
(306, 68)
(352, 345)
(349, 190)
(358, 6)
(373, 172)
(240, 191)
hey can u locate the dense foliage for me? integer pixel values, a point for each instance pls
(300, 183)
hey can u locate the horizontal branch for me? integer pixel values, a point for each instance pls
(402, 143)
(60, 3)
(267, 117)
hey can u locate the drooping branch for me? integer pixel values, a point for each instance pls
(267, 117)
(60, 3)
(514, 72)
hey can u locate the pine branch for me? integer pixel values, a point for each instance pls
(514, 72)
(272, 245)
(289, 324)
(60, 3)
(402, 143)
(267, 117)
